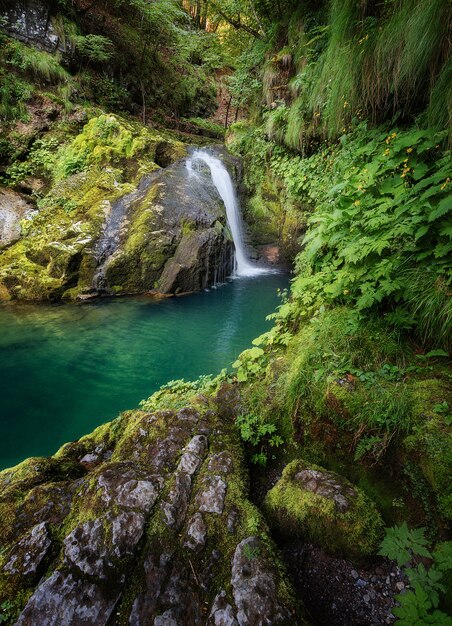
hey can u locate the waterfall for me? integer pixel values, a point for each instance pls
(222, 181)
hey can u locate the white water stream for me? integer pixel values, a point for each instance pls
(225, 187)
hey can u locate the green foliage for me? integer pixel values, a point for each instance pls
(104, 139)
(420, 605)
(401, 544)
(249, 363)
(40, 160)
(261, 435)
(213, 129)
(36, 63)
(251, 553)
(360, 61)
(95, 48)
(175, 394)
(379, 236)
(417, 609)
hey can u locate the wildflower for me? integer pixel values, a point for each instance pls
(357, 202)
(345, 104)
(346, 292)
(387, 151)
(444, 185)
(409, 150)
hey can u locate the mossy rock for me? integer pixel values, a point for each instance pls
(147, 516)
(325, 508)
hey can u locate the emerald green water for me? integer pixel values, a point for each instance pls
(65, 369)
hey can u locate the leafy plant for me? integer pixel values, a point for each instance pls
(260, 435)
(249, 363)
(418, 606)
(401, 544)
(416, 610)
(95, 48)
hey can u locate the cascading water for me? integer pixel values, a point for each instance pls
(222, 181)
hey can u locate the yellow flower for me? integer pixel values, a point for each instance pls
(409, 150)
(357, 202)
(387, 151)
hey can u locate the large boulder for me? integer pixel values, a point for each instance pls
(146, 521)
(171, 236)
(120, 214)
(325, 508)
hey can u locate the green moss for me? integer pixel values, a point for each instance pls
(297, 511)
(54, 258)
(430, 441)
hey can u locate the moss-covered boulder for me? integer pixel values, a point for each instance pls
(117, 203)
(325, 508)
(146, 521)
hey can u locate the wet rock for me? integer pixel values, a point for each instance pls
(222, 613)
(254, 586)
(220, 463)
(327, 485)
(211, 498)
(175, 508)
(169, 234)
(30, 552)
(145, 604)
(233, 520)
(196, 532)
(13, 208)
(122, 488)
(29, 21)
(64, 599)
(308, 501)
(92, 547)
(197, 446)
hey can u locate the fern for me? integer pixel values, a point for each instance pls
(401, 544)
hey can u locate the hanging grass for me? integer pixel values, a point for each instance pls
(370, 61)
(37, 63)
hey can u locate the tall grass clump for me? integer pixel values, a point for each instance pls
(37, 63)
(374, 61)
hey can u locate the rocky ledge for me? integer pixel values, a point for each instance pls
(145, 521)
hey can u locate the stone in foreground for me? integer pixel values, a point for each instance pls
(141, 535)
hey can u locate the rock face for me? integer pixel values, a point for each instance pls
(130, 525)
(311, 502)
(13, 208)
(30, 21)
(170, 236)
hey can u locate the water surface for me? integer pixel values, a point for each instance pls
(65, 369)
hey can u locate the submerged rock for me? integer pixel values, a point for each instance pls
(140, 536)
(313, 503)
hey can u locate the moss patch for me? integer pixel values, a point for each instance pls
(325, 508)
